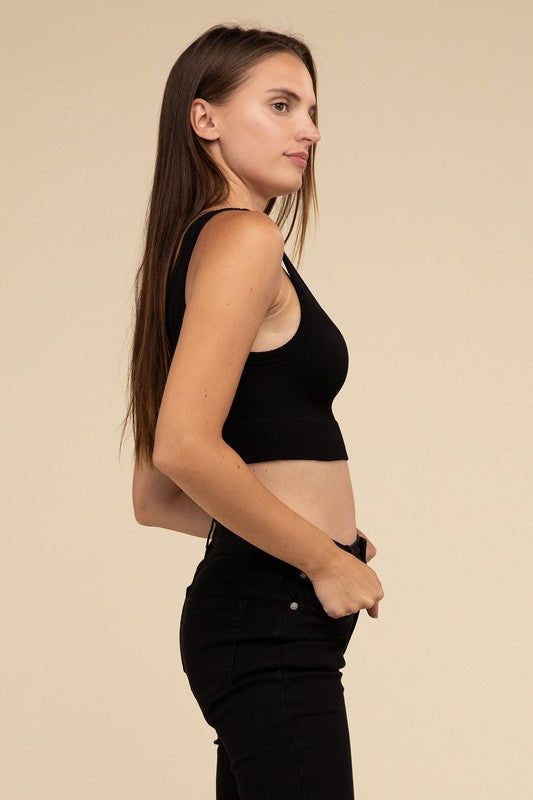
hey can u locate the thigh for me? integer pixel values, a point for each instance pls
(226, 785)
(284, 736)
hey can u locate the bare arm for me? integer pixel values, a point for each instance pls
(235, 285)
(158, 502)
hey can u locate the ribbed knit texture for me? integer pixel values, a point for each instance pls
(282, 405)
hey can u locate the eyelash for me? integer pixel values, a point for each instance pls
(283, 103)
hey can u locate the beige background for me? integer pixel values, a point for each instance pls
(423, 256)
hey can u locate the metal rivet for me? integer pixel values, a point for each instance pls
(294, 606)
(303, 575)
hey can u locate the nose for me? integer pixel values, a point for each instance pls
(311, 133)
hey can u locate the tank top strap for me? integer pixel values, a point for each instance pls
(193, 231)
(290, 268)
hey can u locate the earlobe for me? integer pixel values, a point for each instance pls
(201, 120)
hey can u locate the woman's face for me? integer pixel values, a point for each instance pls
(251, 136)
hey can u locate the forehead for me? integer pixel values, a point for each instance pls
(281, 69)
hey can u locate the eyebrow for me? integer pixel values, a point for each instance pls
(289, 93)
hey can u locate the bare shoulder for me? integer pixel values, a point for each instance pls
(235, 227)
(250, 239)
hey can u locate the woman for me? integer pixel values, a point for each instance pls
(233, 372)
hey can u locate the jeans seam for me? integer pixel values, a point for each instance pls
(285, 697)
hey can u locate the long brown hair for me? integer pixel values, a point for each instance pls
(186, 182)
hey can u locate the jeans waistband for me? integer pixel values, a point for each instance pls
(222, 538)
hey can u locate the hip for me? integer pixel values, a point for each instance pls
(247, 614)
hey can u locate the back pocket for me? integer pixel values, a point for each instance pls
(208, 639)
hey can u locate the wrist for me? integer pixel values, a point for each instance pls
(323, 561)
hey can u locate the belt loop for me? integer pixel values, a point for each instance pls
(210, 534)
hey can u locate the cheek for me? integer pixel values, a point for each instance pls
(261, 131)
(254, 143)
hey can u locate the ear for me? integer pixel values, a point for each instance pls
(202, 119)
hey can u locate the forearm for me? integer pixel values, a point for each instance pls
(215, 477)
(180, 513)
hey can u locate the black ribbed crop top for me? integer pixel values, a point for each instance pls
(282, 405)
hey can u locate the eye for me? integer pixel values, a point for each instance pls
(280, 103)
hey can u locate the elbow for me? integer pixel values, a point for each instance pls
(179, 462)
(141, 513)
(142, 502)
(171, 463)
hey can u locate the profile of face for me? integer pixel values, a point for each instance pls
(252, 136)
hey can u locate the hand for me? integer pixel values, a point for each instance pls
(346, 584)
(370, 553)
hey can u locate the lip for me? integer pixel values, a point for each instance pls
(298, 158)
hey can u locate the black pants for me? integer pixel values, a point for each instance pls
(263, 661)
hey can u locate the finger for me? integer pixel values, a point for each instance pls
(370, 549)
(374, 610)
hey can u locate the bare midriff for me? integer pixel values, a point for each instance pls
(320, 491)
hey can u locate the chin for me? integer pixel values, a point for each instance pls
(288, 188)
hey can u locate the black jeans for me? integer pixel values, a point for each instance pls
(263, 661)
